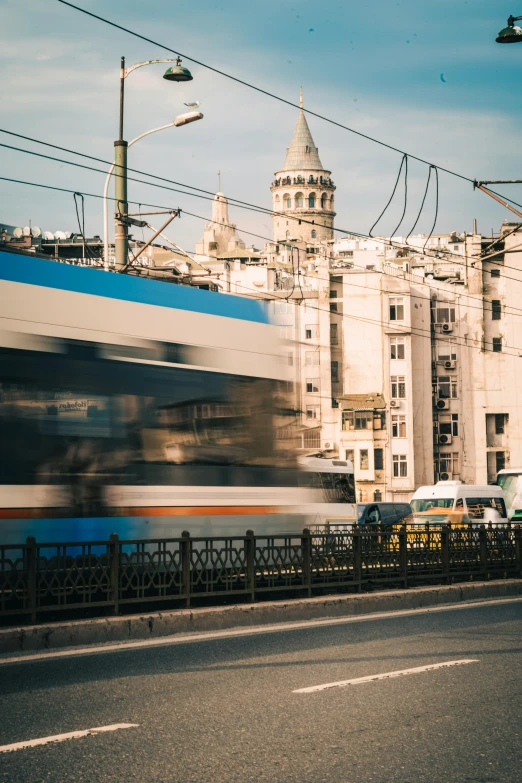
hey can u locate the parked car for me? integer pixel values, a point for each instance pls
(385, 514)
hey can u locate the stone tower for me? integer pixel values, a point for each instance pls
(304, 189)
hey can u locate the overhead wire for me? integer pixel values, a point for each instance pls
(425, 333)
(200, 217)
(210, 197)
(258, 89)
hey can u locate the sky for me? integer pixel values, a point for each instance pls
(426, 77)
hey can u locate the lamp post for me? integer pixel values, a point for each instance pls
(512, 33)
(182, 119)
(175, 73)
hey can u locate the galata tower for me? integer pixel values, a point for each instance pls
(303, 189)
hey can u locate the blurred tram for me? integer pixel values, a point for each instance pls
(143, 408)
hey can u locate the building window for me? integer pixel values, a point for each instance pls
(312, 385)
(288, 386)
(496, 310)
(500, 423)
(357, 420)
(497, 345)
(444, 313)
(363, 459)
(446, 387)
(346, 254)
(449, 462)
(398, 387)
(350, 455)
(396, 308)
(285, 332)
(495, 273)
(282, 308)
(333, 293)
(397, 348)
(378, 459)
(398, 425)
(313, 412)
(333, 334)
(333, 307)
(290, 356)
(334, 372)
(311, 332)
(449, 424)
(311, 200)
(500, 460)
(311, 358)
(377, 496)
(299, 199)
(312, 439)
(314, 233)
(400, 466)
(446, 350)
(323, 201)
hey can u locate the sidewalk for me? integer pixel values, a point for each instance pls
(59, 635)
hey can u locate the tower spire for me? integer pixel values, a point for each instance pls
(301, 104)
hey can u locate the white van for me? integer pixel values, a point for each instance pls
(462, 503)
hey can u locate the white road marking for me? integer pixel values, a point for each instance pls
(386, 675)
(63, 737)
(204, 636)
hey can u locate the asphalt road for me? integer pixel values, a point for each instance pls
(224, 710)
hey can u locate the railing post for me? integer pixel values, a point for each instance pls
(31, 576)
(444, 547)
(185, 565)
(518, 548)
(483, 544)
(306, 548)
(250, 553)
(114, 554)
(357, 558)
(403, 554)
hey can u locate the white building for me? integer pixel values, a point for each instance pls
(406, 352)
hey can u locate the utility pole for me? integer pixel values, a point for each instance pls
(121, 229)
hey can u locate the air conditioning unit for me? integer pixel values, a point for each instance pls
(450, 364)
(395, 404)
(442, 405)
(446, 328)
(445, 439)
(328, 445)
(445, 476)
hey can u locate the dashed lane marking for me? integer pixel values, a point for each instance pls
(386, 675)
(62, 737)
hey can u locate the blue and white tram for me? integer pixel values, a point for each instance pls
(136, 407)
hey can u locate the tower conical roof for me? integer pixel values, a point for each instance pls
(302, 152)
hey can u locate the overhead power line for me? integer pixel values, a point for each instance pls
(260, 89)
(210, 195)
(259, 236)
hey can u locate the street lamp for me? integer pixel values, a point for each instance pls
(511, 33)
(175, 73)
(182, 119)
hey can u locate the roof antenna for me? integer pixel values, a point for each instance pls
(301, 105)
(219, 181)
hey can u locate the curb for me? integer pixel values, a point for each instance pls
(53, 636)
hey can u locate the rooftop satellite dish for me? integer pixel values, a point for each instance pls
(60, 235)
(36, 232)
(48, 235)
(27, 231)
(18, 232)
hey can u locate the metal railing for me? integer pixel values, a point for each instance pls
(38, 578)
